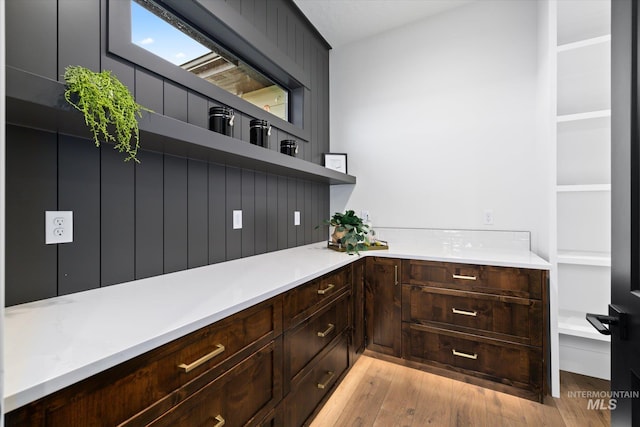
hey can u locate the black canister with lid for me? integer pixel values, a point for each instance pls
(259, 132)
(221, 120)
(289, 147)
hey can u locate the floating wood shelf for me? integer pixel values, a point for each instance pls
(38, 102)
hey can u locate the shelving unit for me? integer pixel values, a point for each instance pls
(37, 102)
(583, 188)
(583, 180)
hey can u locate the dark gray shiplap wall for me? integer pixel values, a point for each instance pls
(168, 213)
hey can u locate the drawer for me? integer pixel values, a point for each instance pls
(302, 301)
(502, 317)
(506, 363)
(517, 282)
(242, 396)
(153, 378)
(316, 383)
(305, 341)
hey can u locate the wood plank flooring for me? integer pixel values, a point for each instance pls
(380, 393)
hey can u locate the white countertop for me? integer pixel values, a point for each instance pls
(56, 342)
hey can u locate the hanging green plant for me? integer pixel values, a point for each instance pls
(107, 105)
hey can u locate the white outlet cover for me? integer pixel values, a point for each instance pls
(296, 218)
(58, 227)
(237, 220)
(488, 217)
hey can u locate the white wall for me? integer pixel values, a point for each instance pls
(440, 121)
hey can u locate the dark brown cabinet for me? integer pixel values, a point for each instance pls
(480, 324)
(382, 305)
(277, 362)
(314, 386)
(145, 387)
(307, 339)
(301, 302)
(242, 396)
(245, 370)
(316, 345)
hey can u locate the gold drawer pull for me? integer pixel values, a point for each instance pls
(329, 377)
(396, 281)
(330, 327)
(460, 276)
(473, 356)
(220, 421)
(466, 313)
(327, 289)
(190, 367)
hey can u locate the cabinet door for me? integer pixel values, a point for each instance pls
(382, 305)
(243, 396)
(309, 390)
(306, 340)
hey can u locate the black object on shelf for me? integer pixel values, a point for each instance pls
(289, 147)
(38, 102)
(221, 120)
(259, 132)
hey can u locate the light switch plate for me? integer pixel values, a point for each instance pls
(58, 227)
(237, 220)
(296, 218)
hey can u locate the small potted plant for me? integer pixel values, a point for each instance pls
(349, 232)
(109, 109)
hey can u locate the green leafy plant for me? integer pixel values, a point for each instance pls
(349, 231)
(107, 105)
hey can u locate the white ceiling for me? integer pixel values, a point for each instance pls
(344, 21)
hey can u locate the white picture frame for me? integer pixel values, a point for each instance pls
(336, 162)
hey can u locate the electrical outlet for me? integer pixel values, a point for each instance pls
(488, 217)
(58, 227)
(296, 218)
(237, 220)
(364, 215)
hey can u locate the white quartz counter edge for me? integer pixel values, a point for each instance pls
(54, 343)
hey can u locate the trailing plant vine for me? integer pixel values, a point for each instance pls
(106, 104)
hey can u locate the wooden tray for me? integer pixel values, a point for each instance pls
(338, 247)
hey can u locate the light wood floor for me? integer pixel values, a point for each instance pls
(379, 393)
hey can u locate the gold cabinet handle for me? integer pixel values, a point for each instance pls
(190, 367)
(330, 327)
(460, 276)
(396, 274)
(327, 289)
(464, 312)
(220, 421)
(473, 356)
(327, 380)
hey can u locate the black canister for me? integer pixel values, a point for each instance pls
(259, 132)
(221, 120)
(289, 147)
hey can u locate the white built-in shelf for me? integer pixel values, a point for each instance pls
(583, 188)
(598, 259)
(584, 116)
(585, 43)
(574, 323)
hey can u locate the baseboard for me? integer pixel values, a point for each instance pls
(585, 356)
